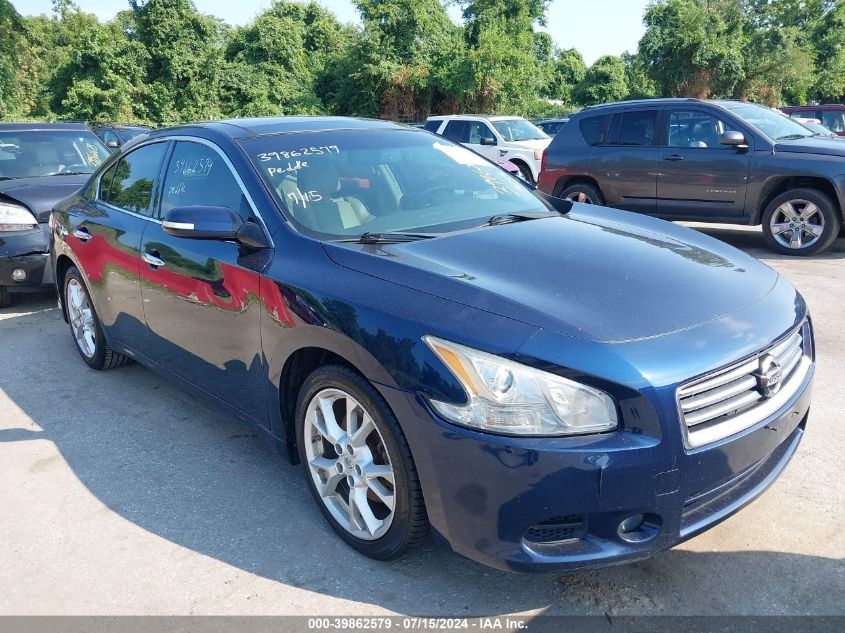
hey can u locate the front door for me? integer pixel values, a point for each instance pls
(201, 297)
(698, 176)
(105, 235)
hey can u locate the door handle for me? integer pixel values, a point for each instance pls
(82, 234)
(673, 157)
(153, 259)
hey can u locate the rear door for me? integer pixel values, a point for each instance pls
(201, 297)
(698, 176)
(625, 161)
(105, 236)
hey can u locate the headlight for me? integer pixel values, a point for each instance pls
(14, 217)
(506, 397)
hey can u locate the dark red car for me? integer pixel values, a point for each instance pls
(832, 115)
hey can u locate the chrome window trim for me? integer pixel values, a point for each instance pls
(189, 139)
(758, 414)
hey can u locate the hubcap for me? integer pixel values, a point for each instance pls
(81, 318)
(580, 196)
(349, 464)
(797, 224)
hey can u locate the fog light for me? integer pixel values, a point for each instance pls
(630, 524)
(639, 528)
(18, 274)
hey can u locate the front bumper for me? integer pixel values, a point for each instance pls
(27, 251)
(484, 493)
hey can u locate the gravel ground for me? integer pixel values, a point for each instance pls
(121, 494)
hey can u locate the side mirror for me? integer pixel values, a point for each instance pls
(213, 223)
(487, 140)
(735, 139)
(111, 144)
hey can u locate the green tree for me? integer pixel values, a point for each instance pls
(567, 70)
(185, 57)
(690, 50)
(603, 82)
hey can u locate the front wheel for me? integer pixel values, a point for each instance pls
(85, 325)
(358, 465)
(801, 222)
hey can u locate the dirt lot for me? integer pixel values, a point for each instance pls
(119, 494)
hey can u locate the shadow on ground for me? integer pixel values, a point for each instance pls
(181, 471)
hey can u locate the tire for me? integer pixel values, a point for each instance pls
(85, 325)
(526, 172)
(584, 193)
(801, 222)
(5, 297)
(322, 447)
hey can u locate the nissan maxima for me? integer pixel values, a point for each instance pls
(545, 384)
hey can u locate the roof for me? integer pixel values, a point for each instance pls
(38, 125)
(440, 117)
(120, 126)
(725, 103)
(244, 128)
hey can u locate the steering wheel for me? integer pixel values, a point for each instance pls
(424, 198)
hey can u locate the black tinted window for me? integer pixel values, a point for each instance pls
(637, 128)
(432, 126)
(105, 183)
(134, 177)
(457, 131)
(594, 128)
(197, 176)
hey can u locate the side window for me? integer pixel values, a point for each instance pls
(477, 131)
(134, 177)
(197, 176)
(695, 129)
(457, 131)
(594, 129)
(432, 126)
(108, 135)
(637, 128)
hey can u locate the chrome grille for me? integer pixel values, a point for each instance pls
(732, 400)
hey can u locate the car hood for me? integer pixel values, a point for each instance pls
(538, 143)
(826, 145)
(597, 274)
(40, 194)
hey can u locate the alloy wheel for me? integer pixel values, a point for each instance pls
(81, 318)
(797, 224)
(349, 464)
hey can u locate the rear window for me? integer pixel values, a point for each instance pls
(594, 128)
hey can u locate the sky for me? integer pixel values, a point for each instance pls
(594, 27)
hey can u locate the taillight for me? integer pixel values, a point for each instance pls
(543, 160)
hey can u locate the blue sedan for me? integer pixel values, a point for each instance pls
(546, 384)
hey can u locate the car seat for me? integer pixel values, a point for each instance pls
(320, 207)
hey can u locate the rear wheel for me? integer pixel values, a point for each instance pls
(85, 325)
(358, 465)
(584, 193)
(5, 297)
(801, 222)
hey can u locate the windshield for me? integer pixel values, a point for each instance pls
(342, 184)
(27, 154)
(127, 133)
(518, 130)
(776, 125)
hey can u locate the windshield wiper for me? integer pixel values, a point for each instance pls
(7, 177)
(384, 238)
(792, 137)
(73, 173)
(509, 218)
